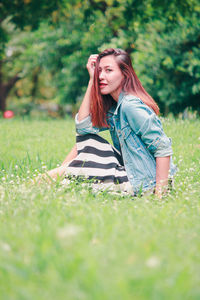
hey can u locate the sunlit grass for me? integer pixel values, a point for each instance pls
(66, 242)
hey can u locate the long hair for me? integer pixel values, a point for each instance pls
(100, 104)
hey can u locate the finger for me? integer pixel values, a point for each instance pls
(93, 57)
(92, 61)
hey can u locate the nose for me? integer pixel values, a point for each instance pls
(101, 75)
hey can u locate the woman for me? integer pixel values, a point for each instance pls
(116, 100)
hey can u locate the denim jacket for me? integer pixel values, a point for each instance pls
(137, 133)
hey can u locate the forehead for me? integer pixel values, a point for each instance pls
(108, 60)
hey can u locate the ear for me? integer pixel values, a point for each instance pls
(123, 82)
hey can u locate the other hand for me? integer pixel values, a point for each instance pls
(91, 64)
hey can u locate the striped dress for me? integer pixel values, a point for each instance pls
(99, 162)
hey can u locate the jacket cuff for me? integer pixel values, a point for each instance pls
(83, 123)
(164, 148)
(85, 126)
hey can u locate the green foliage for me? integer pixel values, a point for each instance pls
(161, 36)
(168, 61)
(26, 15)
(26, 12)
(66, 242)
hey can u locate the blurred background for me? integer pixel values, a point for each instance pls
(44, 47)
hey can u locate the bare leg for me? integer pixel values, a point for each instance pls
(58, 172)
(72, 154)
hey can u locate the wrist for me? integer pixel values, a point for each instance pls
(90, 81)
(161, 187)
(161, 182)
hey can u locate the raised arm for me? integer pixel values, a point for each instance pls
(83, 118)
(84, 110)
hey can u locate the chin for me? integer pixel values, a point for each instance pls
(104, 93)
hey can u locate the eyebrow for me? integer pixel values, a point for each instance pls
(108, 66)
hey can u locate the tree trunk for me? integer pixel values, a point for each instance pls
(2, 99)
(166, 110)
(35, 80)
(5, 88)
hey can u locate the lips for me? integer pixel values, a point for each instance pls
(102, 85)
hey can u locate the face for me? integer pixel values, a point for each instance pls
(110, 77)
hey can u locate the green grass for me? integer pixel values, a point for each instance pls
(61, 242)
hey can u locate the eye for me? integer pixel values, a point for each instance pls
(108, 70)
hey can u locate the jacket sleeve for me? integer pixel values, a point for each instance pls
(144, 122)
(85, 126)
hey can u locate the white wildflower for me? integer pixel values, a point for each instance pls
(153, 262)
(68, 231)
(5, 247)
(65, 181)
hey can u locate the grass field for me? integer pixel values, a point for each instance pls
(61, 242)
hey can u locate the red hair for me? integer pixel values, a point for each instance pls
(100, 104)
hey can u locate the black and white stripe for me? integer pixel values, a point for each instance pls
(100, 161)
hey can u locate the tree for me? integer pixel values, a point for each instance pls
(15, 11)
(168, 61)
(157, 33)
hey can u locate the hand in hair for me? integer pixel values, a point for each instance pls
(91, 64)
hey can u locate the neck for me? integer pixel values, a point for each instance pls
(116, 94)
